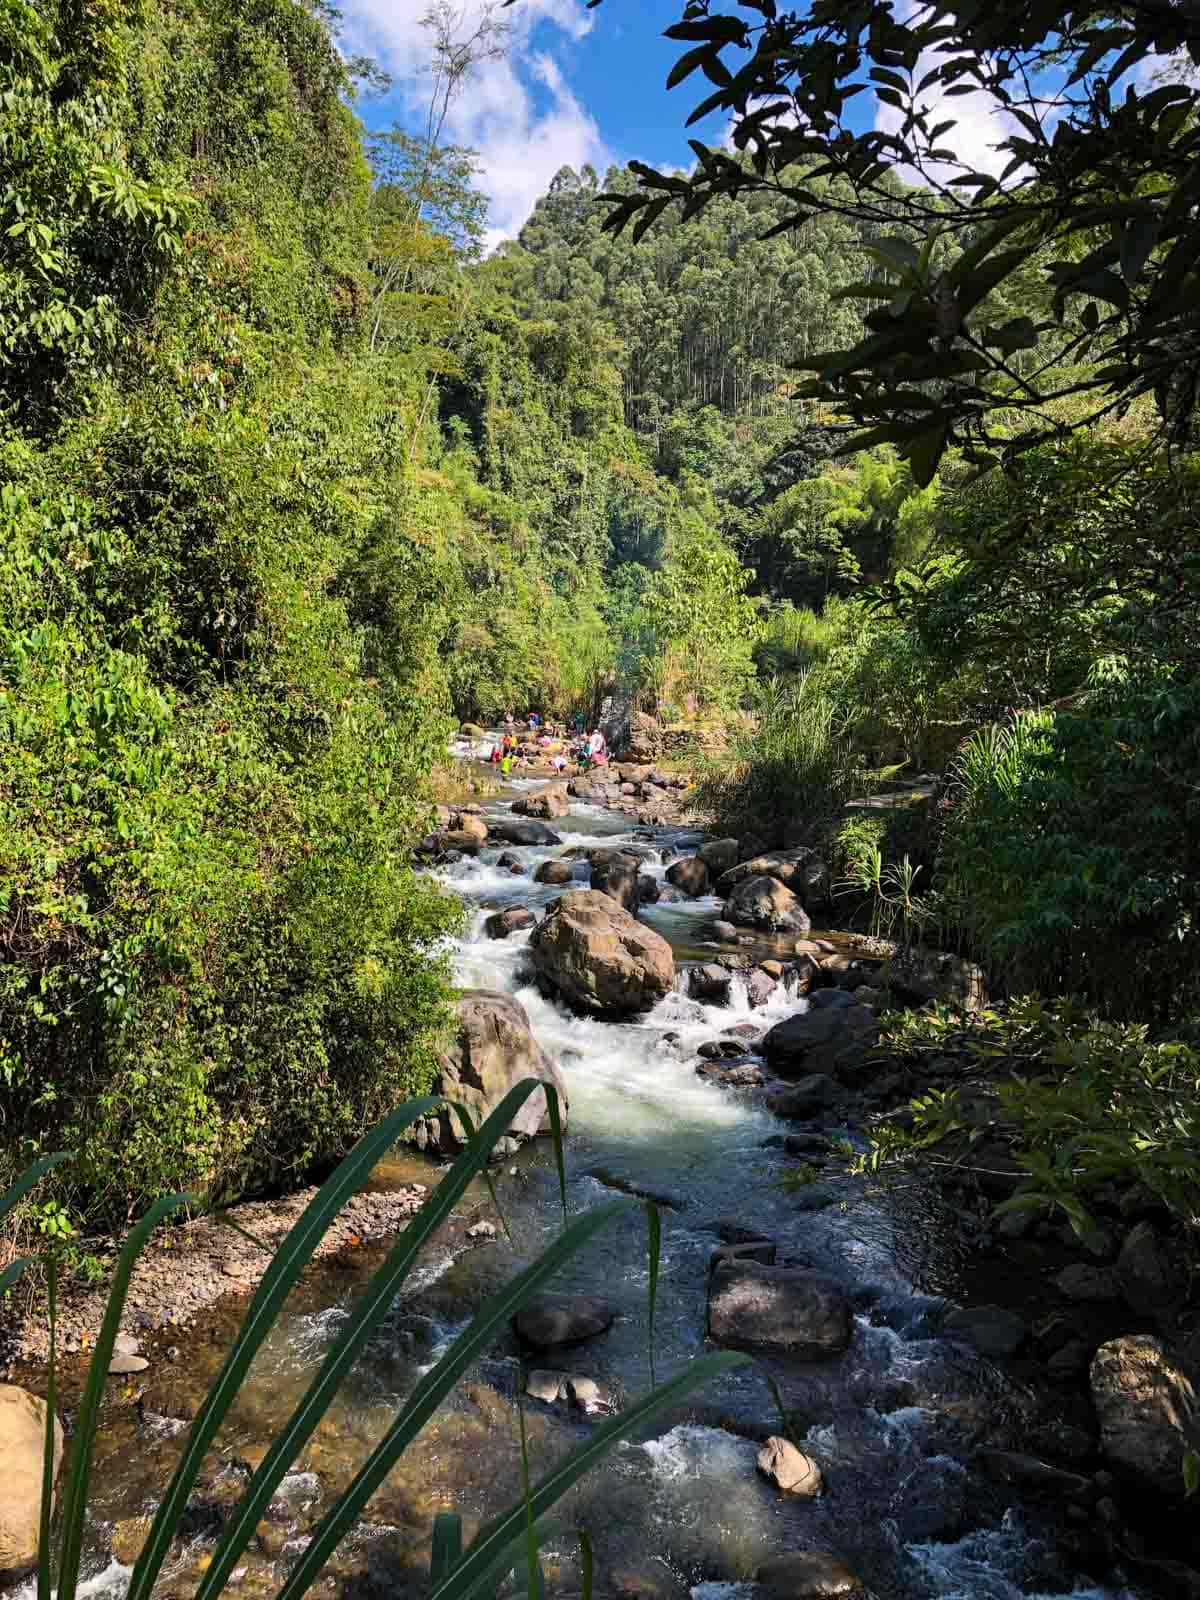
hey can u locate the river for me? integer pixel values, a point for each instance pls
(681, 1513)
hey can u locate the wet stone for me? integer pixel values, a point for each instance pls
(991, 1329)
(556, 1319)
(807, 1575)
(789, 1469)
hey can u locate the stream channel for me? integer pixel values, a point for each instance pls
(681, 1512)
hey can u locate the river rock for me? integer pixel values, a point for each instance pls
(615, 873)
(546, 803)
(718, 855)
(440, 844)
(468, 822)
(599, 958)
(709, 982)
(801, 870)
(124, 1366)
(724, 932)
(991, 1329)
(583, 789)
(554, 872)
(760, 986)
(1146, 1406)
(547, 1386)
(836, 1041)
(513, 919)
(523, 830)
(790, 1469)
(549, 1320)
(690, 876)
(784, 1309)
(764, 903)
(807, 1575)
(919, 976)
(494, 1049)
(1029, 1472)
(22, 1440)
(509, 862)
(804, 1099)
(1144, 1274)
(1082, 1281)
(649, 890)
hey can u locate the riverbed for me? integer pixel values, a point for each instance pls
(680, 1512)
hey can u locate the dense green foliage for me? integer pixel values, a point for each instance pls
(215, 960)
(1094, 1109)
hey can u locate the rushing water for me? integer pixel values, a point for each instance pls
(892, 1423)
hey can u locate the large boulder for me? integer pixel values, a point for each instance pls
(493, 1050)
(645, 739)
(718, 855)
(546, 803)
(835, 1040)
(801, 870)
(22, 1440)
(916, 977)
(522, 830)
(690, 876)
(783, 1309)
(599, 959)
(765, 903)
(1147, 1411)
(615, 873)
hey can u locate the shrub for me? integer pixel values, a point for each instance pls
(1071, 856)
(796, 768)
(1084, 1103)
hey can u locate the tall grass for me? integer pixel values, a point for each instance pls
(797, 768)
(459, 1573)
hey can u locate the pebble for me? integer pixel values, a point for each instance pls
(482, 1230)
(123, 1365)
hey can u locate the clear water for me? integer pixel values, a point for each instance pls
(683, 1510)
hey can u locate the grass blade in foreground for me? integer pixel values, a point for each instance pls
(507, 1531)
(75, 1495)
(286, 1266)
(366, 1317)
(50, 1439)
(435, 1386)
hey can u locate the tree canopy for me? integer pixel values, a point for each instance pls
(1027, 295)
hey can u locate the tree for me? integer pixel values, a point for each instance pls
(1094, 183)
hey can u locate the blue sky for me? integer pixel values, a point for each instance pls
(574, 86)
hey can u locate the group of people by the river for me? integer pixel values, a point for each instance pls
(567, 750)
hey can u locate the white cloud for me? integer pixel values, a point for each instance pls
(980, 121)
(523, 137)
